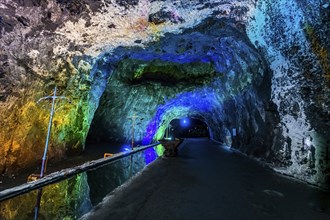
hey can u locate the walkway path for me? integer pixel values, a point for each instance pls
(208, 182)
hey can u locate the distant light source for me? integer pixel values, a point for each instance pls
(184, 122)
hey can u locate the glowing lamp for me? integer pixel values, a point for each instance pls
(184, 122)
(126, 147)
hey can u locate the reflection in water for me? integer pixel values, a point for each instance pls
(73, 197)
(105, 179)
(149, 155)
(152, 153)
(68, 199)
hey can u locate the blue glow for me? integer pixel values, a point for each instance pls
(184, 122)
(195, 101)
(150, 155)
(225, 57)
(126, 147)
(204, 100)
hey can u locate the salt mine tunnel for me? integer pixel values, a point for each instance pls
(250, 77)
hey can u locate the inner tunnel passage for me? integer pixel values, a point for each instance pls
(187, 127)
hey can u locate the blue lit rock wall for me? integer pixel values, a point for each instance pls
(293, 35)
(197, 73)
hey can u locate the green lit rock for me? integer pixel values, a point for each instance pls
(72, 193)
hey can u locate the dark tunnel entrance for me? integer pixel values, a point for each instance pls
(187, 128)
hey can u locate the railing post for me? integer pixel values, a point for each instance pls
(44, 158)
(132, 146)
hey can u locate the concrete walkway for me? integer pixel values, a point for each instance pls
(208, 182)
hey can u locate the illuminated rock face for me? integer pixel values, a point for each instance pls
(296, 45)
(210, 72)
(261, 68)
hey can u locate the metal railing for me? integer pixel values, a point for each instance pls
(66, 173)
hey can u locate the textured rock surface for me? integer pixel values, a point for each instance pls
(196, 73)
(299, 59)
(274, 91)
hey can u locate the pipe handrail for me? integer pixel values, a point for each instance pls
(66, 173)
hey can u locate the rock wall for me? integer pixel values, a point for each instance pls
(294, 40)
(31, 65)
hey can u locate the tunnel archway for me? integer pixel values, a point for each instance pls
(187, 127)
(211, 71)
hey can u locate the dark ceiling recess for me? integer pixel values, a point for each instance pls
(187, 128)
